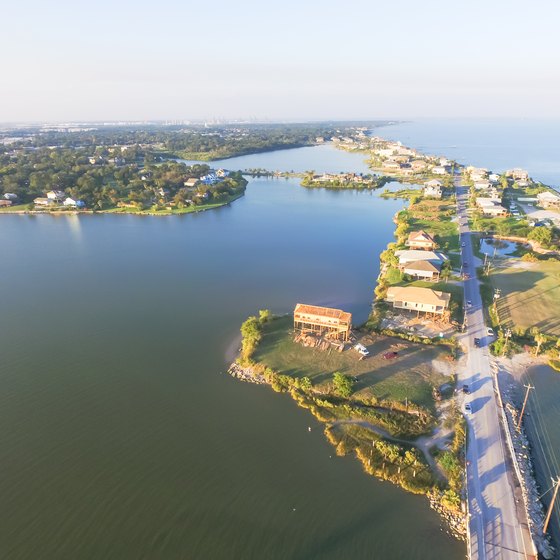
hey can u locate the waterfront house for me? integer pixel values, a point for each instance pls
(5, 203)
(548, 200)
(433, 189)
(56, 196)
(418, 299)
(10, 196)
(324, 321)
(418, 165)
(407, 256)
(482, 184)
(70, 202)
(420, 240)
(43, 201)
(423, 270)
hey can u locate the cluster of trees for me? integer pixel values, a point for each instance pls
(215, 141)
(135, 176)
(251, 334)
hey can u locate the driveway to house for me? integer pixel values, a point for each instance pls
(497, 524)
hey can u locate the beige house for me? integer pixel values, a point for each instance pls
(419, 299)
(422, 270)
(491, 207)
(420, 240)
(191, 182)
(548, 200)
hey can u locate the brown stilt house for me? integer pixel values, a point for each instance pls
(323, 321)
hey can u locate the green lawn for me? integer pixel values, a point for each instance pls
(530, 295)
(410, 376)
(435, 217)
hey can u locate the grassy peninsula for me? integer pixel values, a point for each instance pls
(382, 411)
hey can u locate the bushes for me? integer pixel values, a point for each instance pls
(342, 385)
(251, 334)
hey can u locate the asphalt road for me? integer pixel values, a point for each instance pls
(498, 528)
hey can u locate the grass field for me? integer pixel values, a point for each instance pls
(410, 376)
(530, 295)
(435, 217)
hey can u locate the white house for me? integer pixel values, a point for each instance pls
(70, 202)
(439, 170)
(407, 256)
(433, 188)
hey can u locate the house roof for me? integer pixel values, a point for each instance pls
(547, 195)
(420, 236)
(330, 312)
(433, 183)
(426, 266)
(418, 295)
(411, 255)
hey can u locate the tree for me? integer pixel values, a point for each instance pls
(542, 235)
(342, 384)
(540, 339)
(264, 316)
(251, 336)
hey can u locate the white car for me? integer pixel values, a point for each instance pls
(489, 332)
(361, 349)
(468, 408)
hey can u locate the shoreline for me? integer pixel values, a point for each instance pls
(118, 211)
(454, 520)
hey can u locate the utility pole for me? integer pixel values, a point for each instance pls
(551, 506)
(508, 334)
(528, 387)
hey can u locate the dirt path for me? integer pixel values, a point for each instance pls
(423, 443)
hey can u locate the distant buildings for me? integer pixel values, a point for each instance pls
(548, 200)
(518, 174)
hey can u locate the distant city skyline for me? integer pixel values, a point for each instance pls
(282, 61)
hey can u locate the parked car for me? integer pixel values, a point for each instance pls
(489, 332)
(468, 408)
(361, 349)
(469, 303)
(477, 342)
(466, 389)
(390, 355)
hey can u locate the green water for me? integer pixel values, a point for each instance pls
(121, 437)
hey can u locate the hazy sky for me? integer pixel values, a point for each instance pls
(292, 59)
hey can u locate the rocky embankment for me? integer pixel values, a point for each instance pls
(456, 523)
(509, 388)
(247, 374)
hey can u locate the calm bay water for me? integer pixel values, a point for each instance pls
(121, 436)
